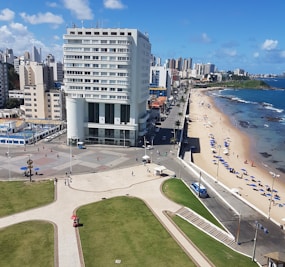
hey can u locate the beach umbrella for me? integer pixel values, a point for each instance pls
(37, 169)
(261, 190)
(24, 168)
(275, 191)
(243, 170)
(254, 185)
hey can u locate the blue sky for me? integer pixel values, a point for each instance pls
(246, 34)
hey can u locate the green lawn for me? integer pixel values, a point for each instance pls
(219, 254)
(124, 228)
(19, 196)
(177, 191)
(27, 244)
(216, 252)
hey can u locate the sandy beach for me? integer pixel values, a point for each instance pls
(225, 155)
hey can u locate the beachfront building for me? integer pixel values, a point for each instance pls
(160, 76)
(106, 80)
(41, 99)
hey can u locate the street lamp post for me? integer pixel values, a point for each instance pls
(124, 138)
(238, 228)
(199, 183)
(8, 154)
(274, 175)
(70, 156)
(217, 175)
(258, 226)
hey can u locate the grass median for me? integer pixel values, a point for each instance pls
(123, 228)
(219, 254)
(178, 192)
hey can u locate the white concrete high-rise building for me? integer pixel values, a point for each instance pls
(106, 79)
(36, 54)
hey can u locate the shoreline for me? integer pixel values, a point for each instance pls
(209, 125)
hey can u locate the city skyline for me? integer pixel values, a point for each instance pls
(246, 35)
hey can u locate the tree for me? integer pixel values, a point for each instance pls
(13, 78)
(12, 103)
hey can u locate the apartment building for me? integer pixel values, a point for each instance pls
(57, 68)
(106, 79)
(41, 100)
(160, 76)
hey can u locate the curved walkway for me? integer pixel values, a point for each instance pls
(83, 189)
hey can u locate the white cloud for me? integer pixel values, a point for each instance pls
(256, 54)
(51, 4)
(269, 44)
(80, 8)
(16, 37)
(7, 14)
(41, 18)
(56, 37)
(205, 38)
(113, 4)
(230, 52)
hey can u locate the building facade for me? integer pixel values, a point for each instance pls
(160, 76)
(106, 80)
(41, 100)
(4, 85)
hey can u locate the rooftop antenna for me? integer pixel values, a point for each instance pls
(82, 24)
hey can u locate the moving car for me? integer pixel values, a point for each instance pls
(196, 187)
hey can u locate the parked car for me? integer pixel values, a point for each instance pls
(196, 187)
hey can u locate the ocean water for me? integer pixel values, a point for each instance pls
(261, 115)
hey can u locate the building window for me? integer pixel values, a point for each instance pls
(109, 133)
(93, 112)
(93, 132)
(125, 113)
(109, 113)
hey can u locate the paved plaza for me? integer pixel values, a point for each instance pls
(55, 159)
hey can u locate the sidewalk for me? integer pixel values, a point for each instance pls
(83, 189)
